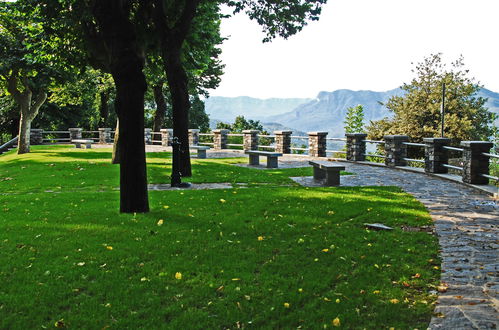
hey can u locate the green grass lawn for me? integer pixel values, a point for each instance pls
(270, 255)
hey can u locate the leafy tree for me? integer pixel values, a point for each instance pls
(354, 119)
(240, 124)
(116, 35)
(198, 117)
(417, 112)
(26, 75)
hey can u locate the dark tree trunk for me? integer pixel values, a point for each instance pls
(177, 81)
(103, 108)
(159, 116)
(130, 110)
(125, 63)
(116, 144)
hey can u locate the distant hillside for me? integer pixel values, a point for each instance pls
(226, 109)
(324, 113)
(327, 111)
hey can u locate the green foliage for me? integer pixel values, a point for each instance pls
(70, 258)
(197, 115)
(417, 112)
(240, 124)
(354, 120)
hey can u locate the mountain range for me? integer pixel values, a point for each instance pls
(326, 112)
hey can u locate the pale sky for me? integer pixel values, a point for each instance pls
(361, 44)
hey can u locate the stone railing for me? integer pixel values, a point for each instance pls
(474, 154)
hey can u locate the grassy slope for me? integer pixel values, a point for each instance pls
(243, 253)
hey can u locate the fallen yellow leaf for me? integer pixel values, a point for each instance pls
(286, 305)
(160, 222)
(178, 275)
(394, 301)
(260, 238)
(336, 322)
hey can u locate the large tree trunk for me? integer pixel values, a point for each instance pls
(28, 113)
(116, 144)
(159, 116)
(23, 142)
(177, 81)
(130, 89)
(125, 63)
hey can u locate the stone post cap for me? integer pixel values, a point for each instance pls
(283, 132)
(397, 137)
(433, 140)
(147, 129)
(104, 129)
(221, 131)
(477, 144)
(166, 130)
(194, 130)
(356, 134)
(75, 129)
(251, 131)
(317, 133)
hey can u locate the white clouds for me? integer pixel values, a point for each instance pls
(361, 44)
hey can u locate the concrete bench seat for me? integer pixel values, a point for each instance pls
(327, 172)
(79, 142)
(201, 150)
(254, 157)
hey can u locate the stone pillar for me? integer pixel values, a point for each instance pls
(105, 135)
(75, 133)
(283, 141)
(166, 136)
(395, 150)
(317, 144)
(356, 146)
(220, 139)
(435, 155)
(250, 139)
(36, 136)
(193, 137)
(148, 135)
(475, 163)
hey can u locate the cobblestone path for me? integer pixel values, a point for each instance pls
(467, 225)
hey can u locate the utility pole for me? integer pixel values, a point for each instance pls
(442, 110)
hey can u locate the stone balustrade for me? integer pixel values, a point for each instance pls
(105, 135)
(317, 144)
(193, 137)
(475, 158)
(283, 141)
(356, 146)
(220, 139)
(250, 139)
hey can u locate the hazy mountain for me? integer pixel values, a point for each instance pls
(226, 109)
(324, 113)
(327, 111)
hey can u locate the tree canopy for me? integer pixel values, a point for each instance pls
(116, 36)
(417, 112)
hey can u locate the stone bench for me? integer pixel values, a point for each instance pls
(201, 150)
(327, 172)
(254, 157)
(87, 143)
